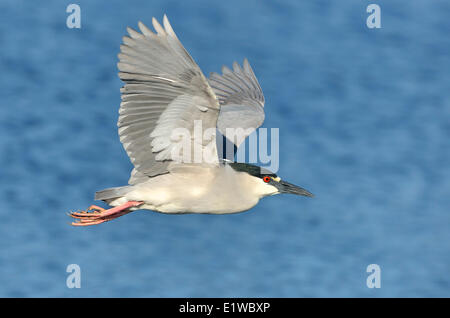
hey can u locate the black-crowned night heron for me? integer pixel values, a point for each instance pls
(166, 91)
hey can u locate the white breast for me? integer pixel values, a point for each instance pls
(201, 189)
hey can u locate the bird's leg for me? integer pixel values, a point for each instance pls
(100, 212)
(102, 215)
(94, 221)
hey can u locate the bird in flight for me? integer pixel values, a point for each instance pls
(166, 99)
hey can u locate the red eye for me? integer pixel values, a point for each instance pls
(266, 179)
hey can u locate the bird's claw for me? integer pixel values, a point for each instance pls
(87, 218)
(95, 208)
(92, 215)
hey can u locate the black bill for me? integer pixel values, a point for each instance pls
(286, 187)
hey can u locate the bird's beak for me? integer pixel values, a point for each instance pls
(287, 187)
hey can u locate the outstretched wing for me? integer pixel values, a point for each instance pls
(164, 90)
(241, 100)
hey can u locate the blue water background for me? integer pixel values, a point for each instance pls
(364, 118)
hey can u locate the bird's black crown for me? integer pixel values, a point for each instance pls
(253, 170)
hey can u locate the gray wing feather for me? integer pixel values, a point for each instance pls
(164, 89)
(241, 99)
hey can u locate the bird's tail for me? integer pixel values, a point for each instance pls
(111, 193)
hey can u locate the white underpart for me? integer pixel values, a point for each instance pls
(199, 189)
